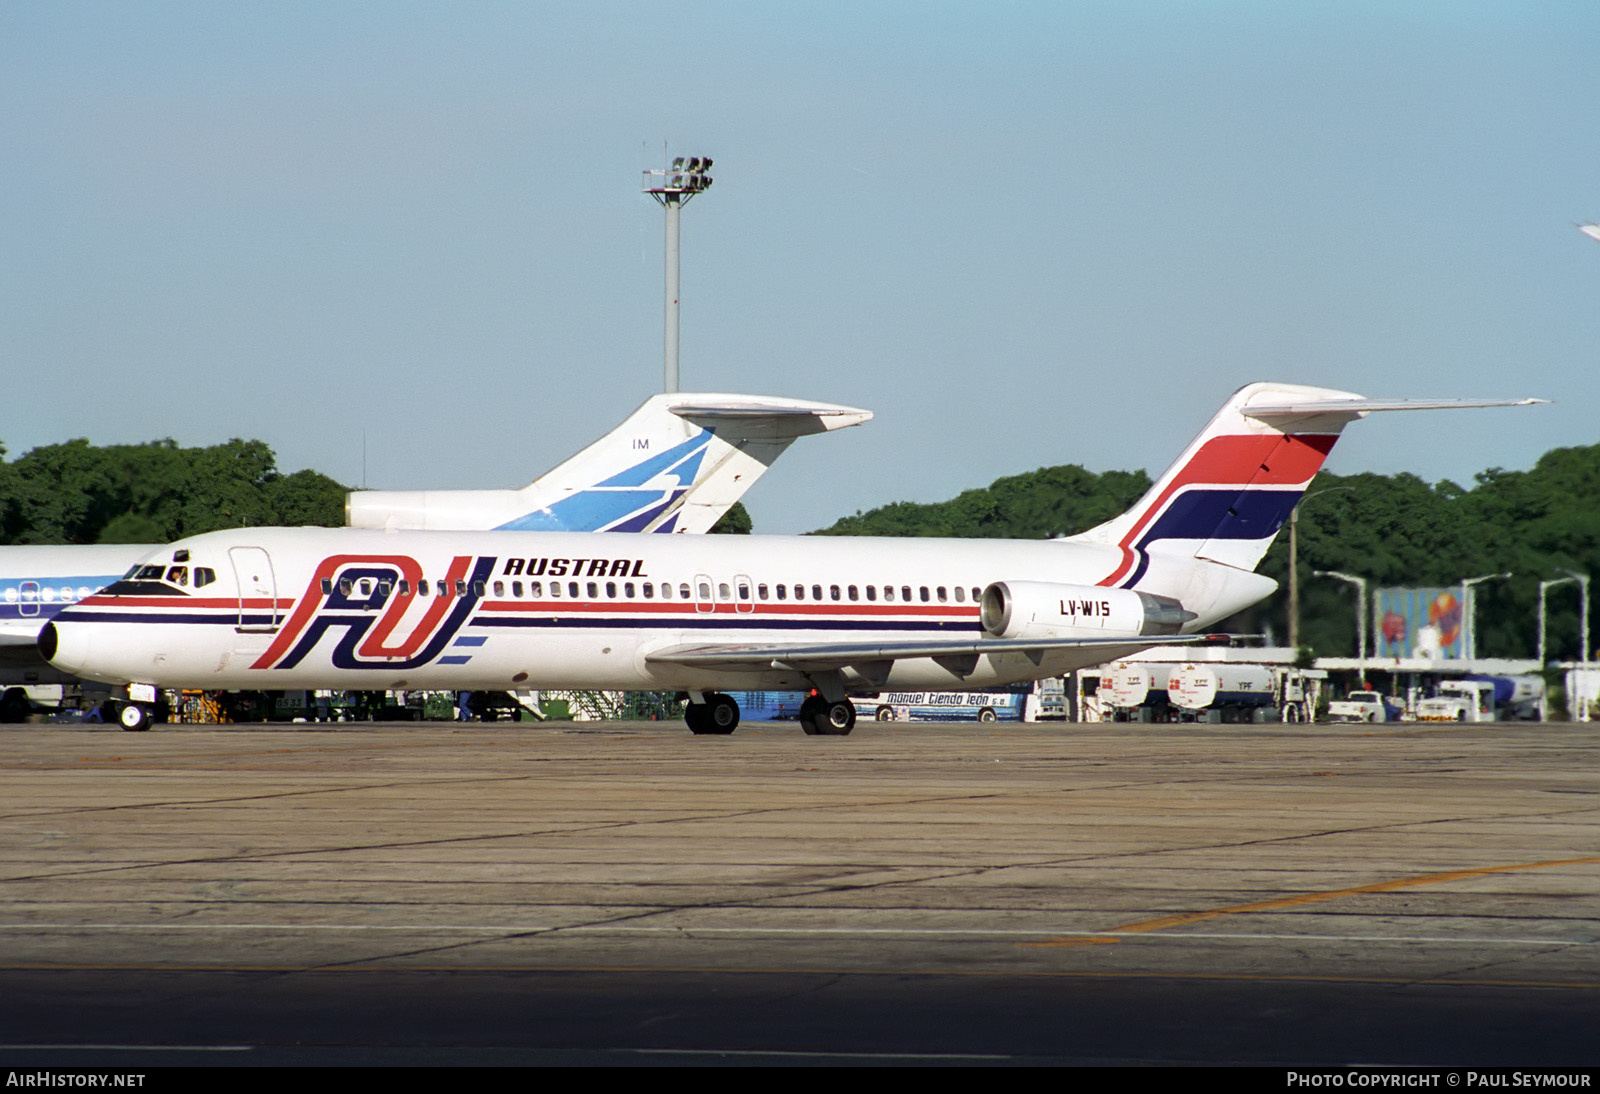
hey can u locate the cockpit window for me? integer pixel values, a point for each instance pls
(178, 575)
(203, 576)
(146, 573)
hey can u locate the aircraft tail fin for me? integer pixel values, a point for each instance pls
(1225, 498)
(674, 465)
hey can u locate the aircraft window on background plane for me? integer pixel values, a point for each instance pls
(385, 588)
(516, 589)
(461, 586)
(627, 590)
(944, 597)
(83, 591)
(744, 591)
(872, 592)
(444, 587)
(47, 595)
(611, 590)
(977, 594)
(366, 587)
(923, 590)
(816, 592)
(961, 595)
(783, 592)
(203, 576)
(66, 592)
(666, 590)
(536, 589)
(478, 588)
(422, 586)
(722, 590)
(799, 592)
(650, 590)
(683, 590)
(405, 584)
(705, 591)
(851, 591)
(555, 588)
(327, 586)
(594, 590)
(761, 591)
(345, 588)
(499, 588)
(905, 593)
(572, 589)
(888, 593)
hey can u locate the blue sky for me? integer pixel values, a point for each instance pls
(1024, 234)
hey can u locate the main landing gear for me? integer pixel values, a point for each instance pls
(818, 717)
(719, 714)
(716, 713)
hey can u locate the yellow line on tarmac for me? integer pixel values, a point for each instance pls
(1303, 898)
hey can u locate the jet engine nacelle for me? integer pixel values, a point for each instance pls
(1046, 609)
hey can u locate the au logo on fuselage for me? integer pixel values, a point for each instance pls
(379, 607)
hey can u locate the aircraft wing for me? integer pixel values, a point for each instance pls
(21, 632)
(759, 657)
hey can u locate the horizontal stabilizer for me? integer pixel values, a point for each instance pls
(787, 415)
(1362, 407)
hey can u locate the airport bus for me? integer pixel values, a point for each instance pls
(1006, 704)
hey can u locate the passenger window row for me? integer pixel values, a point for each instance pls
(628, 590)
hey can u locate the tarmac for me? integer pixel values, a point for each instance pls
(608, 893)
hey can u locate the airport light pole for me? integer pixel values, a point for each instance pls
(673, 186)
(1361, 613)
(1543, 587)
(1294, 565)
(1469, 608)
(1583, 652)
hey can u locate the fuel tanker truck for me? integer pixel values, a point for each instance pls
(1223, 692)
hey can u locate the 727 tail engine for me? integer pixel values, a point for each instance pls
(1046, 609)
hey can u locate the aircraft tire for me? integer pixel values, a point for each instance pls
(14, 707)
(134, 717)
(722, 714)
(810, 716)
(837, 719)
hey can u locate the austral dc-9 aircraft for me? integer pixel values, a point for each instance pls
(499, 610)
(676, 464)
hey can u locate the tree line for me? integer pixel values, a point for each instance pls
(155, 492)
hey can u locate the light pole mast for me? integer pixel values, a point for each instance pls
(673, 186)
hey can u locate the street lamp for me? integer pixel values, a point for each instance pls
(1469, 607)
(673, 187)
(1361, 613)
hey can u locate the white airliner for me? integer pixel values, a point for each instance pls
(344, 608)
(676, 464)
